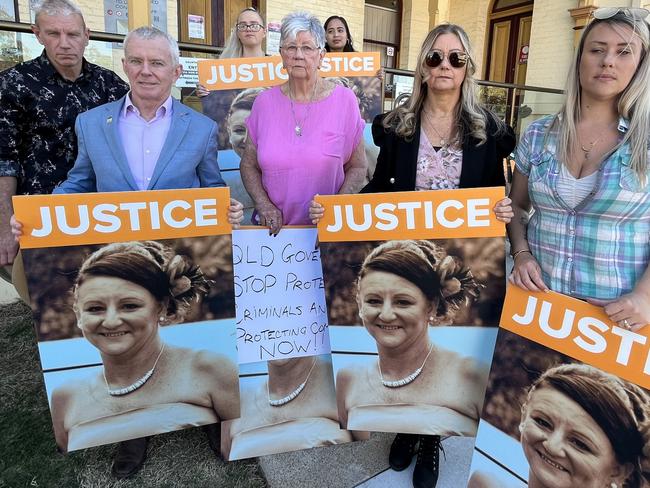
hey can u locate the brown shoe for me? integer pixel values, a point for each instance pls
(129, 457)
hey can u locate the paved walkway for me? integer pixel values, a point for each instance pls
(362, 465)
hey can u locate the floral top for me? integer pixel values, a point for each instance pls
(38, 108)
(438, 169)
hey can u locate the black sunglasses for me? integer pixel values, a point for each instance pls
(435, 58)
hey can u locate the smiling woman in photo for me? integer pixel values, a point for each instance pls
(123, 293)
(414, 386)
(582, 427)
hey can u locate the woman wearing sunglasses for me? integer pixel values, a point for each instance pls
(440, 138)
(585, 173)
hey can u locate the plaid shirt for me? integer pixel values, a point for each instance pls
(38, 109)
(600, 248)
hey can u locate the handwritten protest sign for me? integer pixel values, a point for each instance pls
(279, 294)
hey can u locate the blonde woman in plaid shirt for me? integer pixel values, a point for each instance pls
(585, 172)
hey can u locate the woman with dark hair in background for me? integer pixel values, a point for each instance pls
(337, 35)
(582, 427)
(123, 293)
(440, 138)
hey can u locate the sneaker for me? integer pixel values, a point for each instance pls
(427, 466)
(402, 451)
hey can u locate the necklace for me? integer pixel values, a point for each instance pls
(428, 117)
(298, 127)
(592, 144)
(407, 379)
(284, 400)
(137, 384)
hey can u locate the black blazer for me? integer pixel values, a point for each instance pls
(397, 161)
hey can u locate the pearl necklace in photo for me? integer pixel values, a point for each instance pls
(284, 400)
(407, 379)
(137, 384)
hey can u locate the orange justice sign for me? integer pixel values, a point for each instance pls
(436, 214)
(580, 330)
(97, 218)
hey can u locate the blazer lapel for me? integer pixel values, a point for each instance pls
(177, 130)
(471, 172)
(112, 135)
(408, 159)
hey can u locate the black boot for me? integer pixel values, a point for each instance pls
(427, 466)
(402, 451)
(129, 457)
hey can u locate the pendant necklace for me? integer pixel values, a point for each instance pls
(592, 144)
(298, 127)
(443, 141)
(284, 400)
(407, 379)
(135, 385)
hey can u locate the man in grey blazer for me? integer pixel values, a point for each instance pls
(147, 140)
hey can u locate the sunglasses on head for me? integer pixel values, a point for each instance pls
(631, 12)
(456, 59)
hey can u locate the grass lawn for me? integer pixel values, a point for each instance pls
(28, 456)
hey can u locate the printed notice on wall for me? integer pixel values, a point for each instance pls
(279, 295)
(196, 26)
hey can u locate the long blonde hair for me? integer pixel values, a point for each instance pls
(471, 114)
(233, 47)
(633, 103)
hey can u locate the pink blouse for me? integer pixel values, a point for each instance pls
(295, 168)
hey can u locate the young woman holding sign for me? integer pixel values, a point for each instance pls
(440, 138)
(585, 173)
(582, 427)
(123, 293)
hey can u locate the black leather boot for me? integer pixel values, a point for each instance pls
(129, 457)
(402, 451)
(427, 466)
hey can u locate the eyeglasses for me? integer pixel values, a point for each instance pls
(307, 50)
(609, 12)
(243, 26)
(435, 58)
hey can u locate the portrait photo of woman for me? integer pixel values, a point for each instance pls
(571, 425)
(415, 383)
(136, 371)
(291, 407)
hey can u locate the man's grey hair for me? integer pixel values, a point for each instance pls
(146, 32)
(57, 7)
(297, 22)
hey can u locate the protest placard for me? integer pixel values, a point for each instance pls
(425, 278)
(563, 370)
(133, 300)
(280, 295)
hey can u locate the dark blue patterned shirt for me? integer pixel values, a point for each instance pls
(38, 108)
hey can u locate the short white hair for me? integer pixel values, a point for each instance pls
(297, 22)
(147, 32)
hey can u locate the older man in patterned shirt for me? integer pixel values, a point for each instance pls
(39, 102)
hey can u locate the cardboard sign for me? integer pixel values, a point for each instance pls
(93, 218)
(580, 330)
(226, 74)
(410, 215)
(279, 294)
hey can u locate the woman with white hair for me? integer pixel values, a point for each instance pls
(305, 136)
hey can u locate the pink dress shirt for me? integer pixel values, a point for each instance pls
(143, 140)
